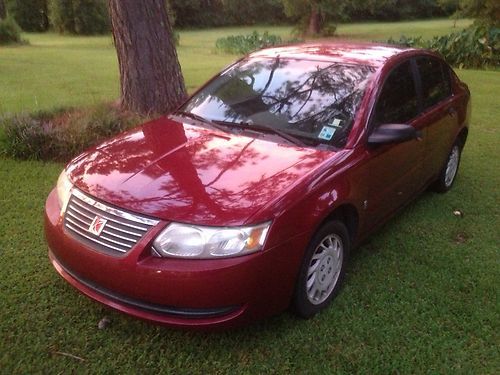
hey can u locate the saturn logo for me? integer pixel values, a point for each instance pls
(97, 225)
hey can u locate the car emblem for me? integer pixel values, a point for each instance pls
(97, 225)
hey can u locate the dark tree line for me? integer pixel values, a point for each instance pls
(91, 16)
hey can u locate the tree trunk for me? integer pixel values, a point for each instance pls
(3, 11)
(314, 20)
(150, 74)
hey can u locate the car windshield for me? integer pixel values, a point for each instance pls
(313, 100)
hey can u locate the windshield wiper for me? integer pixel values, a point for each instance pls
(282, 134)
(194, 116)
(250, 125)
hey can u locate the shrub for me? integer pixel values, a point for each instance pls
(31, 15)
(61, 134)
(243, 44)
(10, 32)
(474, 47)
(79, 16)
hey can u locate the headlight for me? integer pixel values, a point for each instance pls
(189, 241)
(63, 190)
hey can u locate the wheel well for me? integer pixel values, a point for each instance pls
(349, 216)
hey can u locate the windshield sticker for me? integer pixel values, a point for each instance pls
(326, 133)
(335, 123)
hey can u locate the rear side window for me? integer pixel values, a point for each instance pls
(397, 102)
(435, 78)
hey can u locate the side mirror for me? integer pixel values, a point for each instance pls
(392, 133)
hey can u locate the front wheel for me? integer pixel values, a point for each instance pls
(449, 172)
(322, 269)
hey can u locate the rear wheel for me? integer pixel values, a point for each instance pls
(449, 172)
(322, 269)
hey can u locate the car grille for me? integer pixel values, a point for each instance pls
(119, 233)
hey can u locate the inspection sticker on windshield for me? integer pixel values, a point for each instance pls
(335, 123)
(326, 133)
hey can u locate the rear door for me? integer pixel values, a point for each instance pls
(439, 113)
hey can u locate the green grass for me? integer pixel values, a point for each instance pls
(415, 300)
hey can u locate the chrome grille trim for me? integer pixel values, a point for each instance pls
(110, 218)
(113, 211)
(119, 234)
(97, 241)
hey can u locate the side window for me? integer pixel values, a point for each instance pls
(397, 102)
(435, 78)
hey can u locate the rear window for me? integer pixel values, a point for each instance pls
(435, 77)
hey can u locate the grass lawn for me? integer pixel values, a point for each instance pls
(420, 296)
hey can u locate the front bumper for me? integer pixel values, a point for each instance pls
(176, 292)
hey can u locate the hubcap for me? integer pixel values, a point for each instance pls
(324, 269)
(451, 167)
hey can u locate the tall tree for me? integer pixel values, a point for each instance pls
(3, 11)
(150, 73)
(312, 14)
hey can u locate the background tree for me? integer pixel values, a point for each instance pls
(197, 13)
(244, 12)
(79, 16)
(3, 11)
(484, 11)
(312, 14)
(150, 73)
(31, 15)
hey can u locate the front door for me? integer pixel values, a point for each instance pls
(395, 170)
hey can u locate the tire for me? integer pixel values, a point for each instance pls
(322, 269)
(449, 172)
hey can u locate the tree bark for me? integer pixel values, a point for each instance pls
(3, 11)
(150, 73)
(314, 20)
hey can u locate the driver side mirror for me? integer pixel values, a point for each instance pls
(393, 133)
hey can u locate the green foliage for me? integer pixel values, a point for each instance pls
(10, 32)
(61, 134)
(243, 44)
(349, 10)
(474, 47)
(82, 17)
(31, 15)
(244, 12)
(197, 13)
(484, 11)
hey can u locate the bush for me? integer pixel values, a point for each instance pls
(474, 47)
(10, 32)
(243, 44)
(83, 17)
(61, 134)
(31, 15)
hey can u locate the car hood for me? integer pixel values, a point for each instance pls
(180, 172)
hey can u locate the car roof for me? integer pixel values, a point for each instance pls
(372, 54)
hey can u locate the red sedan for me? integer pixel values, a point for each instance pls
(249, 198)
